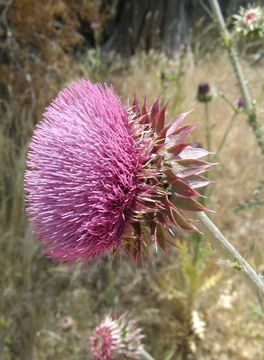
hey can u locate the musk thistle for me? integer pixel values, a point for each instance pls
(101, 177)
(116, 337)
(250, 21)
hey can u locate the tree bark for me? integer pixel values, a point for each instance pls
(148, 24)
(155, 24)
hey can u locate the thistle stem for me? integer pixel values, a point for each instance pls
(242, 83)
(208, 126)
(221, 242)
(224, 138)
(220, 147)
(145, 355)
(197, 245)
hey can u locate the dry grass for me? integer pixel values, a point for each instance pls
(37, 293)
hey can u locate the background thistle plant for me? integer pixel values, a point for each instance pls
(250, 21)
(238, 71)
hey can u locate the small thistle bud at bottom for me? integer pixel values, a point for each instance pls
(116, 336)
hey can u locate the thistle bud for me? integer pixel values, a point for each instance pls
(204, 93)
(240, 103)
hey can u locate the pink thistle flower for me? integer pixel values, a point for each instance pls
(116, 336)
(100, 177)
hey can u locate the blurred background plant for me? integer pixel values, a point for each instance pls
(189, 304)
(249, 21)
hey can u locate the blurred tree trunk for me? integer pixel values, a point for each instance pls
(148, 24)
(155, 24)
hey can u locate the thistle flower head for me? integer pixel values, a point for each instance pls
(116, 336)
(204, 93)
(101, 177)
(250, 21)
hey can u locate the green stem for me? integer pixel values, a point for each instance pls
(242, 83)
(221, 242)
(145, 355)
(233, 107)
(196, 252)
(224, 138)
(197, 244)
(208, 127)
(208, 191)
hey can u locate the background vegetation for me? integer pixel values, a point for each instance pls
(191, 305)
